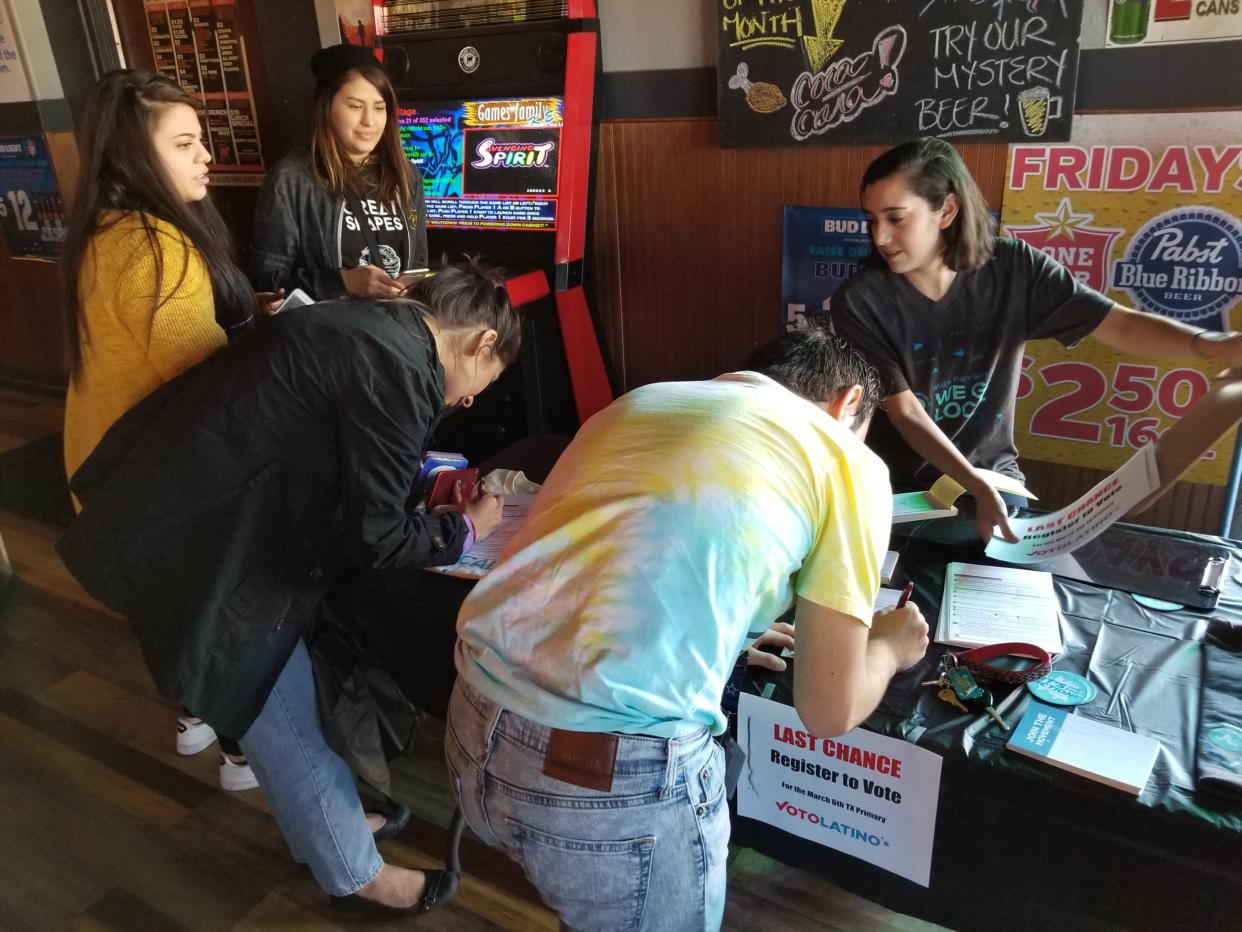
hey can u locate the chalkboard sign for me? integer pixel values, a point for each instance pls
(821, 72)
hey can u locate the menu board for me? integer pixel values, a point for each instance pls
(825, 72)
(198, 44)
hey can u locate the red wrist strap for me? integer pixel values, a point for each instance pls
(976, 662)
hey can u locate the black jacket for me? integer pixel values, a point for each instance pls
(297, 231)
(218, 510)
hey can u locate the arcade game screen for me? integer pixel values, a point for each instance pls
(487, 164)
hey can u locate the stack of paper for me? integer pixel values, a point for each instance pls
(1081, 745)
(475, 563)
(994, 604)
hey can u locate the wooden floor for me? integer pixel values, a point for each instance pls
(104, 826)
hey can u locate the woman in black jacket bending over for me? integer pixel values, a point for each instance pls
(347, 216)
(218, 510)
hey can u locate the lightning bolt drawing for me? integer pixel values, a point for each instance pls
(821, 46)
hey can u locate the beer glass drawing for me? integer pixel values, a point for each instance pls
(1036, 106)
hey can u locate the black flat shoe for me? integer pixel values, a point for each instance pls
(441, 885)
(396, 815)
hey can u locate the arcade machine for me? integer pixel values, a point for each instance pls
(497, 108)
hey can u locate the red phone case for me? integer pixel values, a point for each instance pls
(442, 487)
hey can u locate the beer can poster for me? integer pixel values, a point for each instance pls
(32, 215)
(1148, 210)
(823, 72)
(821, 250)
(1152, 22)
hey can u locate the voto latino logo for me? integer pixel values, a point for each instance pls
(1186, 264)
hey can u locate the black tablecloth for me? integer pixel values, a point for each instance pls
(1020, 844)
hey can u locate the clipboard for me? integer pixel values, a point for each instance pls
(1176, 569)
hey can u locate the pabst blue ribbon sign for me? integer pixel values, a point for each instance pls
(1145, 209)
(1186, 264)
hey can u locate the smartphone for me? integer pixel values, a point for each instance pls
(421, 273)
(296, 298)
(442, 487)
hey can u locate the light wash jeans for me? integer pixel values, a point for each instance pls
(651, 854)
(310, 789)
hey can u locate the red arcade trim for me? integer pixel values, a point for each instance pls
(581, 9)
(527, 287)
(576, 146)
(587, 375)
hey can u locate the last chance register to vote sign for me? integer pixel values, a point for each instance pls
(860, 793)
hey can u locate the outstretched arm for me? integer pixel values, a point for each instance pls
(1155, 337)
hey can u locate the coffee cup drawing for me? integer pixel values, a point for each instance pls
(1036, 106)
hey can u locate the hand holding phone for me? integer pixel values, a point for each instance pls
(443, 484)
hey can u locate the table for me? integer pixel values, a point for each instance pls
(1022, 845)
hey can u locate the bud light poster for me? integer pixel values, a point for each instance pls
(32, 215)
(822, 248)
(487, 164)
(1148, 210)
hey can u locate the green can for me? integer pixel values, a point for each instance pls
(1129, 21)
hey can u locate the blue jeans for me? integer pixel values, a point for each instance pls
(650, 854)
(310, 789)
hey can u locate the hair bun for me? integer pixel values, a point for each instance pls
(330, 64)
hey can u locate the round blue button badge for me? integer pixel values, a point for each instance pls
(1060, 687)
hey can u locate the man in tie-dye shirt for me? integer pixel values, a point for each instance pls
(592, 658)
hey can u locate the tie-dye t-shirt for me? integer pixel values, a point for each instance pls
(682, 517)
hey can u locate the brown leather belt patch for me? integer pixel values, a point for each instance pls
(583, 758)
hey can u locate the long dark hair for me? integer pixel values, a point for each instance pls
(121, 172)
(332, 168)
(933, 170)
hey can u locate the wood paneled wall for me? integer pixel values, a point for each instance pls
(687, 263)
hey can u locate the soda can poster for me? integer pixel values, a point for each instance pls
(821, 249)
(1153, 22)
(32, 215)
(1148, 210)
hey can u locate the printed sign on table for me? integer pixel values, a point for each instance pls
(861, 793)
(818, 72)
(32, 215)
(1146, 210)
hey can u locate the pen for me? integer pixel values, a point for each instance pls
(905, 594)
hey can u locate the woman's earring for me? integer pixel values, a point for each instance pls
(467, 401)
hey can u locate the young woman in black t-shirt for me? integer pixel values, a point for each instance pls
(943, 308)
(346, 215)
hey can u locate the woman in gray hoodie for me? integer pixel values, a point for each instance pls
(347, 215)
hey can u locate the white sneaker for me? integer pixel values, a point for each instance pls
(193, 735)
(236, 776)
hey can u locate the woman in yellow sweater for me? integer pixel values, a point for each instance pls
(150, 283)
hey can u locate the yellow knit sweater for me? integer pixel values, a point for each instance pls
(126, 351)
